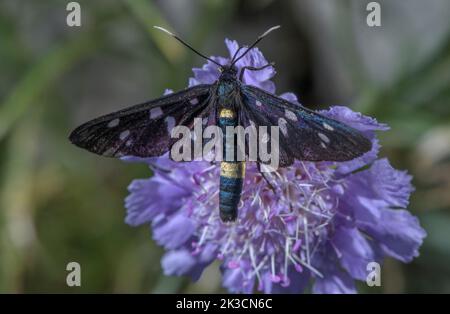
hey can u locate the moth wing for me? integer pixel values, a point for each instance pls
(143, 130)
(303, 133)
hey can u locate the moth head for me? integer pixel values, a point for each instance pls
(228, 72)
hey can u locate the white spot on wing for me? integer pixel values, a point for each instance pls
(170, 122)
(290, 115)
(113, 123)
(323, 145)
(124, 134)
(109, 152)
(194, 101)
(327, 126)
(324, 138)
(128, 143)
(282, 124)
(155, 113)
(258, 103)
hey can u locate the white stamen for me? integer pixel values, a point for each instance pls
(272, 264)
(203, 236)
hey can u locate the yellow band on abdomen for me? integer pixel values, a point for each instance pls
(232, 169)
(227, 113)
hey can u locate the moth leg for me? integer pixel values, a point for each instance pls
(241, 75)
(267, 180)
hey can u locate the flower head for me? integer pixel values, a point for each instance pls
(312, 225)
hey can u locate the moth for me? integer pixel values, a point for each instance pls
(143, 130)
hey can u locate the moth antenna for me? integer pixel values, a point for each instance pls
(260, 37)
(186, 44)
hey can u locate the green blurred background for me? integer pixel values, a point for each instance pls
(60, 204)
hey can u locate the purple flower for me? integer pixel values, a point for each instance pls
(320, 228)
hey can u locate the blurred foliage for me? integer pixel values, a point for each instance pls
(59, 204)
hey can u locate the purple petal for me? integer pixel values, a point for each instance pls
(354, 251)
(290, 97)
(354, 119)
(346, 167)
(232, 46)
(179, 262)
(207, 74)
(398, 232)
(254, 58)
(298, 282)
(208, 253)
(140, 208)
(149, 197)
(334, 282)
(174, 232)
(382, 182)
(234, 281)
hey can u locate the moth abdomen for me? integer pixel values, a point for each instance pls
(231, 181)
(231, 171)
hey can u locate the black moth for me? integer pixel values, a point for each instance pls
(144, 130)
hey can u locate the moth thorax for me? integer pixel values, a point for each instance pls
(226, 94)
